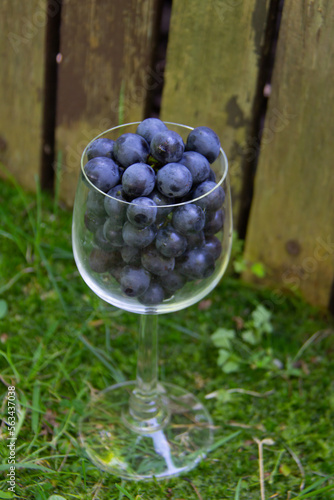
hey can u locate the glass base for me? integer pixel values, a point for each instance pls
(174, 445)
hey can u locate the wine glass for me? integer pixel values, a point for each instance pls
(143, 429)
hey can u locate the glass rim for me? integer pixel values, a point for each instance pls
(159, 207)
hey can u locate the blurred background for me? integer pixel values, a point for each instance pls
(259, 72)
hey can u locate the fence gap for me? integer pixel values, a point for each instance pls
(52, 43)
(158, 60)
(249, 164)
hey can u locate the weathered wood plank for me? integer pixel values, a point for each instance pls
(212, 69)
(106, 50)
(22, 55)
(291, 227)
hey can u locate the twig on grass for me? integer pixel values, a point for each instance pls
(260, 444)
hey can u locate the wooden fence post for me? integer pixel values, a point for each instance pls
(22, 52)
(213, 56)
(105, 73)
(291, 227)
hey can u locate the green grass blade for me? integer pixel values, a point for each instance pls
(36, 407)
(125, 492)
(237, 491)
(224, 440)
(11, 364)
(315, 493)
(116, 373)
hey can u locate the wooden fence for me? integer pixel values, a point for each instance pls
(71, 69)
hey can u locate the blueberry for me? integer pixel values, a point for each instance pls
(161, 200)
(113, 233)
(213, 246)
(134, 281)
(130, 148)
(142, 212)
(116, 206)
(196, 264)
(188, 219)
(149, 127)
(153, 295)
(205, 141)
(138, 180)
(93, 221)
(214, 221)
(139, 238)
(174, 180)
(155, 262)
(173, 281)
(212, 176)
(197, 164)
(167, 146)
(103, 173)
(101, 241)
(100, 147)
(212, 201)
(195, 240)
(170, 243)
(131, 255)
(116, 271)
(101, 261)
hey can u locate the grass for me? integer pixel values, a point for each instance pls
(58, 342)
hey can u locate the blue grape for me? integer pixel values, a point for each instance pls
(139, 238)
(195, 240)
(149, 127)
(129, 149)
(197, 164)
(131, 255)
(214, 221)
(205, 141)
(100, 147)
(116, 206)
(212, 201)
(113, 233)
(160, 200)
(142, 212)
(167, 146)
(154, 295)
(173, 281)
(95, 203)
(134, 281)
(93, 221)
(101, 261)
(196, 264)
(170, 243)
(102, 172)
(213, 246)
(188, 219)
(101, 241)
(155, 262)
(174, 180)
(138, 180)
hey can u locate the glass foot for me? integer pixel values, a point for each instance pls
(175, 445)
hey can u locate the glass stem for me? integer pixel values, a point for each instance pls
(145, 404)
(147, 360)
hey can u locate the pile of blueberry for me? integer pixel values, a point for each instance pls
(151, 247)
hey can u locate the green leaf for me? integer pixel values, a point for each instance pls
(56, 497)
(6, 494)
(223, 356)
(261, 319)
(3, 308)
(258, 270)
(224, 396)
(222, 337)
(231, 367)
(239, 265)
(249, 337)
